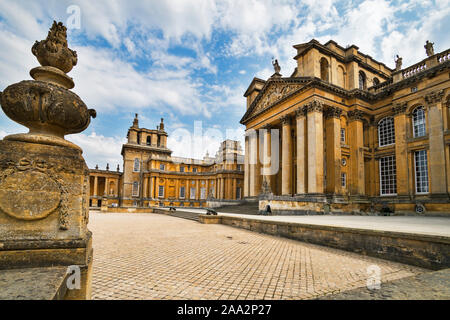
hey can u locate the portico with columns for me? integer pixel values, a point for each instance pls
(317, 143)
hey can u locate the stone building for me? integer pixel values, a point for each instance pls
(354, 135)
(153, 177)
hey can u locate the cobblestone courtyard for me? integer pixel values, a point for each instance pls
(152, 256)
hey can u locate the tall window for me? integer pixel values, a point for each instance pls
(418, 116)
(136, 165)
(421, 168)
(388, 176)
(324, 69)
(182, 192)
(386, 132)
(161, 192)
(362, 80)
(135, 189)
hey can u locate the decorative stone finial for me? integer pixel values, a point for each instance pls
(135, 121)
(429, 48)
(46, 106)
(53, 51)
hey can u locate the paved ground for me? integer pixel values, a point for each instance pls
(425, 286)
(153, 256)
(439, 226)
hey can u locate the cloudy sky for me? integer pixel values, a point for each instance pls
(190, 61)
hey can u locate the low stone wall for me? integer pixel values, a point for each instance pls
(425, 251)
(128, 209)
(219, 203)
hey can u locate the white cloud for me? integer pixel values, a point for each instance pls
(98, 149)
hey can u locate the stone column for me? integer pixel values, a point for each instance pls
(315, 146)
(356, 185)
(266, 158)
(333, 159)
(401, 152)
(246, 168)
(286, 156)
(301, 152)
(436, 133)
(95, 186)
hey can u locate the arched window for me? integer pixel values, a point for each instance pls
(376, 81)
(418, 117)
(324, 69)
(386, 132)
(362, 80)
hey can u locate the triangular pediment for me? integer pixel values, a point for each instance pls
(272, 93)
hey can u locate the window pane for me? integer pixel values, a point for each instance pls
(419, 122)
(421, 166)
(386, 132)
(388, 176)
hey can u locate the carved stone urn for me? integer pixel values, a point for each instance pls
(46, 106)
(44, 180)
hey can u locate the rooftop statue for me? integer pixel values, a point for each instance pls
(276, 66)
(429, 48)
(398, 63)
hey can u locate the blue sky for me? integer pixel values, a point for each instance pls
(189, 61)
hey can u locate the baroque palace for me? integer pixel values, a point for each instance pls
(354, 135)
(152, 177)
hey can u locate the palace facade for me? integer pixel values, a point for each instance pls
(354, 135)
(153, 177)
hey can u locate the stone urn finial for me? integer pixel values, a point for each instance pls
(46, 106)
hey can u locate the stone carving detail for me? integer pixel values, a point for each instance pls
(275, 93)
(300, 112)
(32, 190)
(356, 115)
(429, 48)
(314, 105)
(53, 51)
(399, 108)
(434, 97)
(286, 119)
(333, 112)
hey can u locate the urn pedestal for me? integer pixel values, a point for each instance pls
(44, 209)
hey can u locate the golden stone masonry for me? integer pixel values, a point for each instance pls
(153, 177)
(355, 135)
(44, 180)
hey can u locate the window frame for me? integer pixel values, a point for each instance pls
(379, 132)
(414, 121)
(426, 170)
(381, 176)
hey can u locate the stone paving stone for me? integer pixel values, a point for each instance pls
(152, 256)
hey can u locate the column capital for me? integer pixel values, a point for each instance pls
(286, 119)
(434, 97)
(356, 115)
(399, 108)
(332, 112)
(314, 105)
(300, 112)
